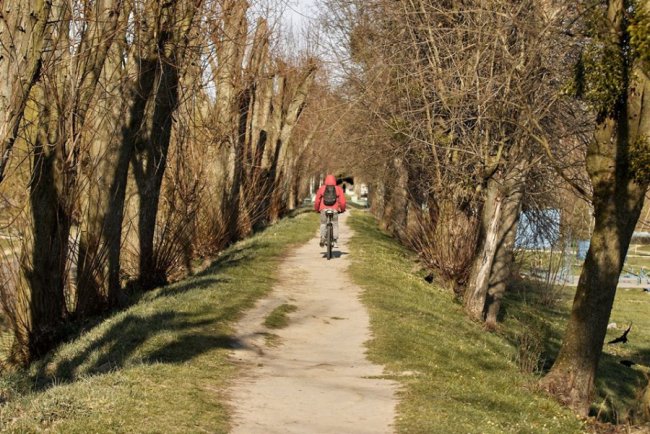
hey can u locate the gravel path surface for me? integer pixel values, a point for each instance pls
(312, 376)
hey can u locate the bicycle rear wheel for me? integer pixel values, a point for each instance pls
(330, 240)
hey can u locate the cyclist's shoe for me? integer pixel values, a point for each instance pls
(321, 243)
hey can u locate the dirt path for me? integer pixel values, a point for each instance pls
(317, 379)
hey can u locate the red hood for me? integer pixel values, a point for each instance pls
(330, 180)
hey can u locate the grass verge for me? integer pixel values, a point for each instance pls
(278, 318)
(455, 377)
(530, 320)
(161, 365)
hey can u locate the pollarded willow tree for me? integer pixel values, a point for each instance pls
(59, 103)
(613, 77)
(122, 92)
(145, 92)
(23, 33)
(263, 96)
(465, 93)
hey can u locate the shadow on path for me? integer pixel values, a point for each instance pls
(335, 254)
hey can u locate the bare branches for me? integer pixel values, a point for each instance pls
(24, 33)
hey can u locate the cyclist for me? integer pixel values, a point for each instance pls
(329, 196)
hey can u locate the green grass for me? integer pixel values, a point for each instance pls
(617, 385)
(455, 377)
(161, 365)
(278, 318)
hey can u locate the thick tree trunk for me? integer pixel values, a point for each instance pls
(149, 102)
(616, 211)
(230, 45)
(40, 306)
(149, 172)
(490, 269)
(297, 180)
(618, 195)
(97, 43)
(507, 233)
(23, 34)
(44, 265)
(396, 203)
(255, 109)
(290, 107)
(377, 199)
(477, 286)
(149, 164)
(103, 238)
(56, 151)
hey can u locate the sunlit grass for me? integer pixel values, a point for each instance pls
(161, 365)
(456, 378)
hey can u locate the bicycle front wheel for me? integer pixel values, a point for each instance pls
(330, 240)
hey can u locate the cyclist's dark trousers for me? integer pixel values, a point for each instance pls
(323, 224)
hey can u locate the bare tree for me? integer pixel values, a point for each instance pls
(154, 134)
(101, 129)
(148, 102)
(60, 101)
(23, 33)
(464, 93)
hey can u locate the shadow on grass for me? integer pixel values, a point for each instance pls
(617, 386)
(172, 324)
(118, 345)
(523, 304)
(234, 256)
(196, 283)
(126, 339)
(625, 384)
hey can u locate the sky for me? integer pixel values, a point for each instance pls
(300, 12)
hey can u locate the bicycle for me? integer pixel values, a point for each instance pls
(329, 232)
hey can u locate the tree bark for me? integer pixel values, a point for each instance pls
(44, 264)
(396, 203)
(290, 107)
(55, 156)
(23, 34)
(255, 109)
(617, 199)
(479, 277)
(507, 233)
(490, 269)
(230, 44)
(103, 238)
(150, 163)
(102, 241)
(617, 206)
(105, 172)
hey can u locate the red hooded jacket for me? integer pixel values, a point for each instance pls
(340, 196)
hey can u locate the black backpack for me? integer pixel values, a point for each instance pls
(329, 197)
